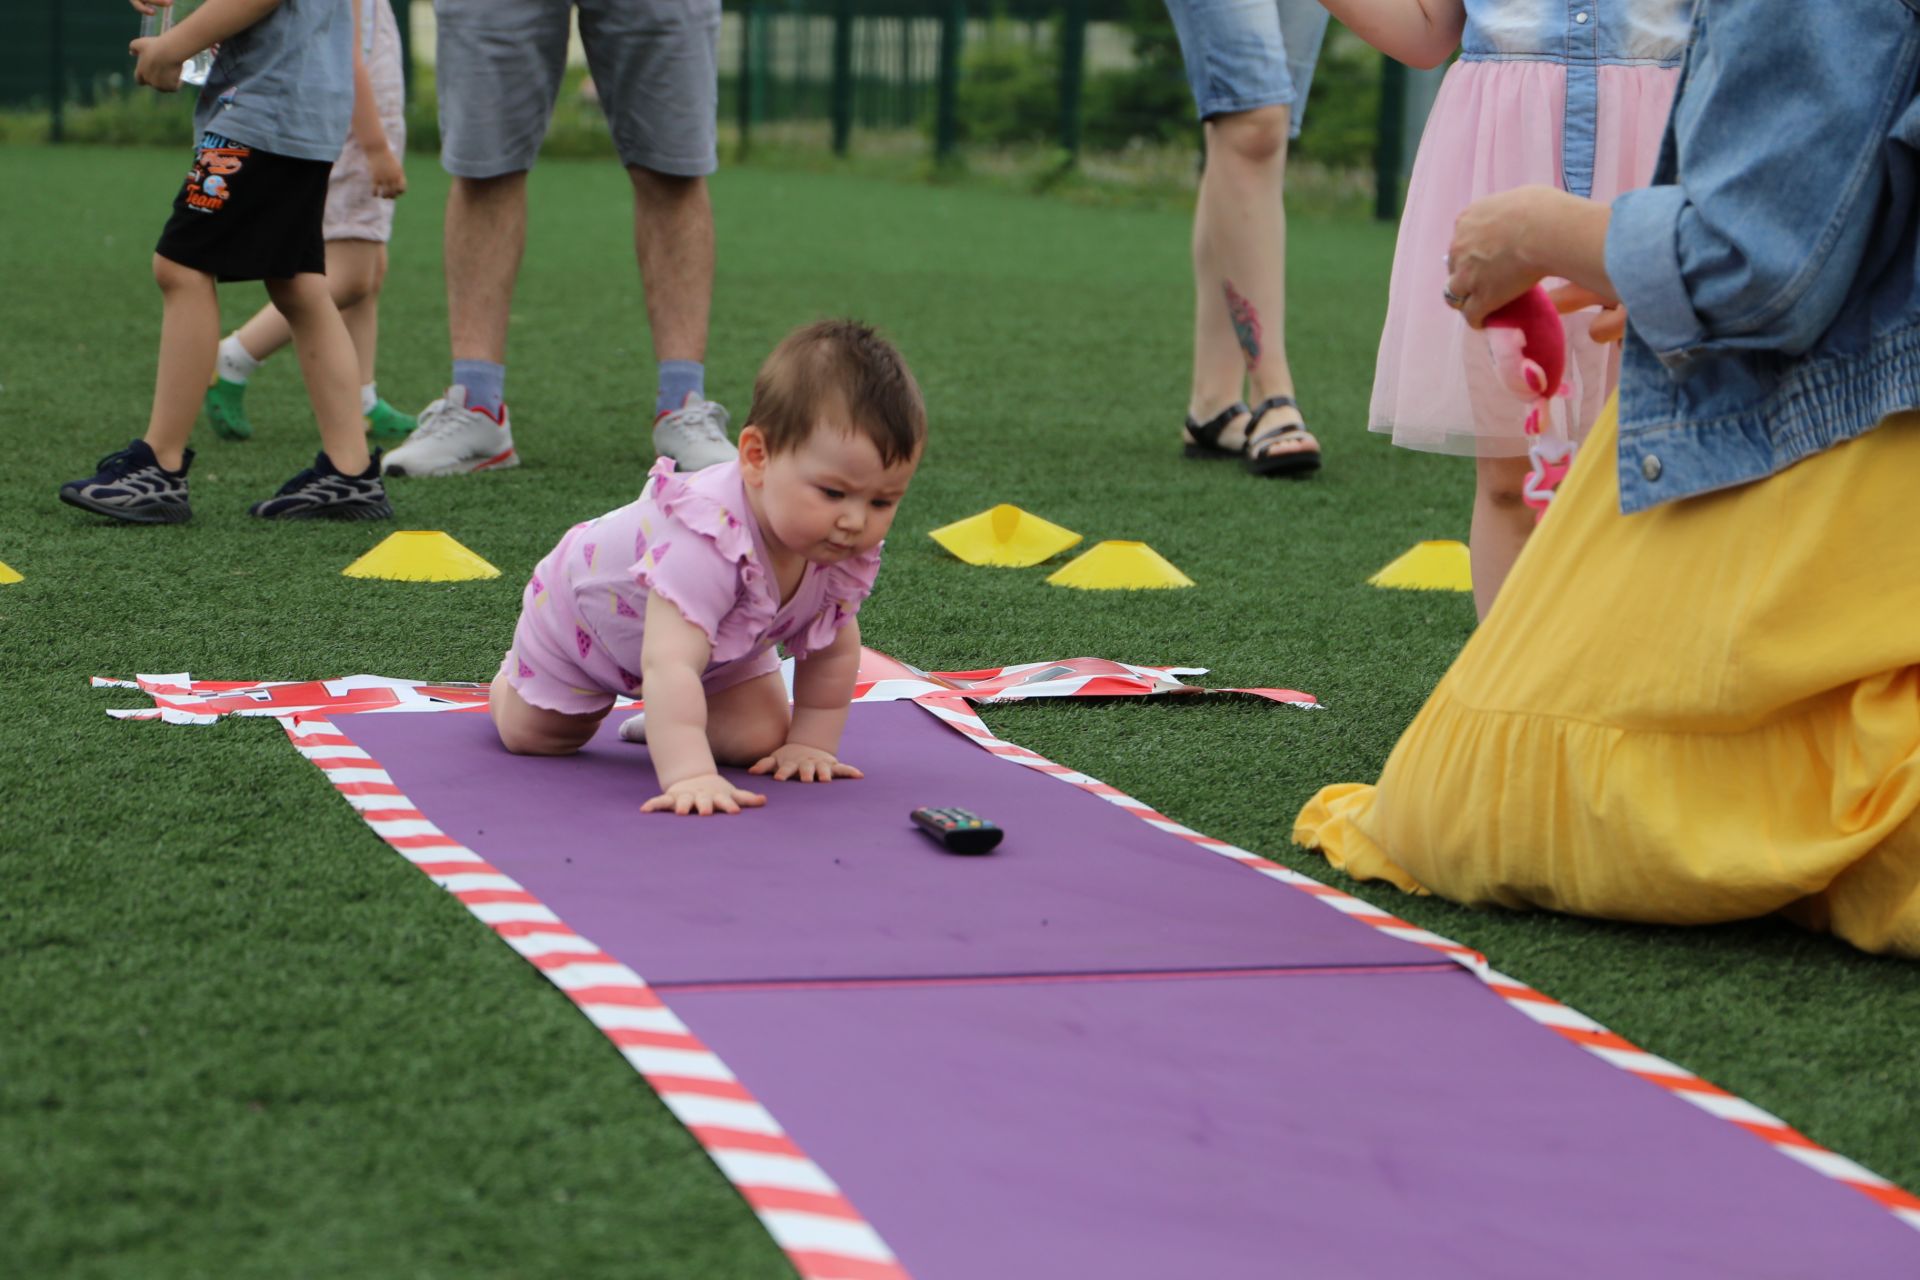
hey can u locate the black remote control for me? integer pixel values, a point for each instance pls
(959, 831)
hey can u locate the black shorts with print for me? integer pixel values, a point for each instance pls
(247, 214)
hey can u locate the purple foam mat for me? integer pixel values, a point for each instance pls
(833, 882)
(1314, 1126)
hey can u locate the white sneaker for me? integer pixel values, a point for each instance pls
(694, 435)
(452, 440)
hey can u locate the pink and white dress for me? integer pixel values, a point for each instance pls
(1568, 93)
(694, 540)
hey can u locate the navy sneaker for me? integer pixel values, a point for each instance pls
(131, 485)
(322, 492)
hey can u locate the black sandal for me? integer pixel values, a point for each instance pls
(1294, 462)
(1206, 435)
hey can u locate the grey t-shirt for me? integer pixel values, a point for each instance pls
(285, 84)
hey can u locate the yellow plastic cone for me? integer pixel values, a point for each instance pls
(1119, 566)
(1004, 536)
(8, 575)
(420, 555)
(1429, 566)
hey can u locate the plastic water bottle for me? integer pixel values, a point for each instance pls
(194, 70)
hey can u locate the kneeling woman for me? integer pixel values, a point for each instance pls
(1697, 698)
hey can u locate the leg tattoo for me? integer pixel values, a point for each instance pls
(1246, 323)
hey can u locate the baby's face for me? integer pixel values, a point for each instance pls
(832, 498)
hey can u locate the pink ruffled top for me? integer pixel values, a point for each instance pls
(693, 539)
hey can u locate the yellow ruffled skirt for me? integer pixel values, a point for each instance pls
(1708, 711)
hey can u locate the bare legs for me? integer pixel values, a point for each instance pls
(527, 730)
(673, 241)
(745, 722)
(486, 234)
(189, 339)
(1239, 274)
(329, 366)
(356, 270)
(362, 314)
(1502, 523)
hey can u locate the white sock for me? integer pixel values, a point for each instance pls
(234, 364)
(634, 728)
(368, 398)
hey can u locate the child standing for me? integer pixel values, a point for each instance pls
(271, 120)
(1572, 95)
(685, 592)
(357, 225)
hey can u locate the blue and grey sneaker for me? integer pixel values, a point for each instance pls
(131, 485)
(321, 492)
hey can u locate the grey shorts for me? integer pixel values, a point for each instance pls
(654, 62)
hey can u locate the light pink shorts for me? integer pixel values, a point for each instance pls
(353, 211)
(549, 674)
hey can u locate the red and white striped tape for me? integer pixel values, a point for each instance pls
(1568, 1023)
(821, 1232)
(803, 1210)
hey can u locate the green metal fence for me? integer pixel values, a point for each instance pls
(59, 54)
(1069, 75)
(894, 64)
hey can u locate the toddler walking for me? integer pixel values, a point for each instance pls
(271, 120)
(1573, 96)
(357, 225)
(682, 596)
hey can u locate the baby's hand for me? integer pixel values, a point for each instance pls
(704, 795)
(805, 764)
(1609, 326)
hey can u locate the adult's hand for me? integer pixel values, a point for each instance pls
(1506, 243)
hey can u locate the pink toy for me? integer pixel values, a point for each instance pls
(1529, 346)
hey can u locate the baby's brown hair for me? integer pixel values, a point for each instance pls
(839, 364)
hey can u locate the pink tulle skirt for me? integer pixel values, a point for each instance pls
(1495, 126)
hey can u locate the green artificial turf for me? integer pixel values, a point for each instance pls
(238, 1036)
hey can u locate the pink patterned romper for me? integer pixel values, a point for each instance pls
(694, 540)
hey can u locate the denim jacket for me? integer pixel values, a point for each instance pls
(1770, 274)
(1582, 36)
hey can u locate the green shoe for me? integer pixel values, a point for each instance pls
(227, 410)
(387, 425)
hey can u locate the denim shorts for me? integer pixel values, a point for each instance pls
(1242, 54)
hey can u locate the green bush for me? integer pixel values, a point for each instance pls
(1342, 124)
(1009, 90)
(126, 115)
(1009, 97)
(1149, 102)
